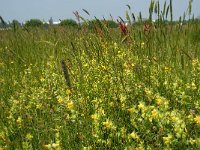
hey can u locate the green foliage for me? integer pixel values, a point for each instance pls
(195, 36)
(143, 91)
(97, 23)
(111, 24)
(16, 22)
(140, 91)
(68, 23)
(34, 23)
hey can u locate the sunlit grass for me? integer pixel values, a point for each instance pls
(134, 91)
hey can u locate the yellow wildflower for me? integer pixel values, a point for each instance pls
(52, 146)
(94, 117)
(94, 101)
(108, 124)
(47, 146)
(197, 120)
(167, 69)
(103, 68)
(55, 145)
(19, 120)
(154, 113)
(123, 132)
(192, 141)
(29, 136)
(115, 45)
(60, 100)
(167, 139)
(195, 62)
(42, 79)
(193, 86)
(70, 105)
(87, 148)
(147, 91)
(38, 106)
(134, 136)
(141, 106)
(142, 45)
(158, 101)
(68, 92)
(131, 110)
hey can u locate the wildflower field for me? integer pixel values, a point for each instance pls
(127, 88)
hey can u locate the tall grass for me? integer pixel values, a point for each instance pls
(134, 91)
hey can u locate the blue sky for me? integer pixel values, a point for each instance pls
(24, 10)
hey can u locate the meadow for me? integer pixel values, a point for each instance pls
(101, 88)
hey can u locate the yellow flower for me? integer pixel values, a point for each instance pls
(87, 148)
(68, 91)
(39, 106)
(29, 136)
(192, 141)
(167, 69)
(158, 101)
(19, 120)
(197, 120)
(55, 145)
(108, 124)
(142, 45)
(47, 146)
(94, 117)
(133, 135)
(2, 136)
(111, 104)
(103, 68)
(167, 139)
(122, 98)
(115, 45)
(60, 100)
(147, 91)
(131, 110)
(70, 105)
(141, 105)
(52, 146)
(154, 113)
(193, 86)
(94, 101)
(123, 132)
(195, 62)
(42, 79)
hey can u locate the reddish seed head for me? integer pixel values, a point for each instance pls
(122, 27)
(147, 27)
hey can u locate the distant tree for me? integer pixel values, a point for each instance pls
(92, 24)
(51, 21)
(68, 22)
(111, 24)
(34, 23)
(15, 23)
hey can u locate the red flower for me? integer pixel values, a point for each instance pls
(122, 27)
(147, 27)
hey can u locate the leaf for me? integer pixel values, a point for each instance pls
(125, 38)
(129, 7)
(133, 16)
(128, 18)
(86, 12)
(167, 12)
(4, 23)
(121, 19)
